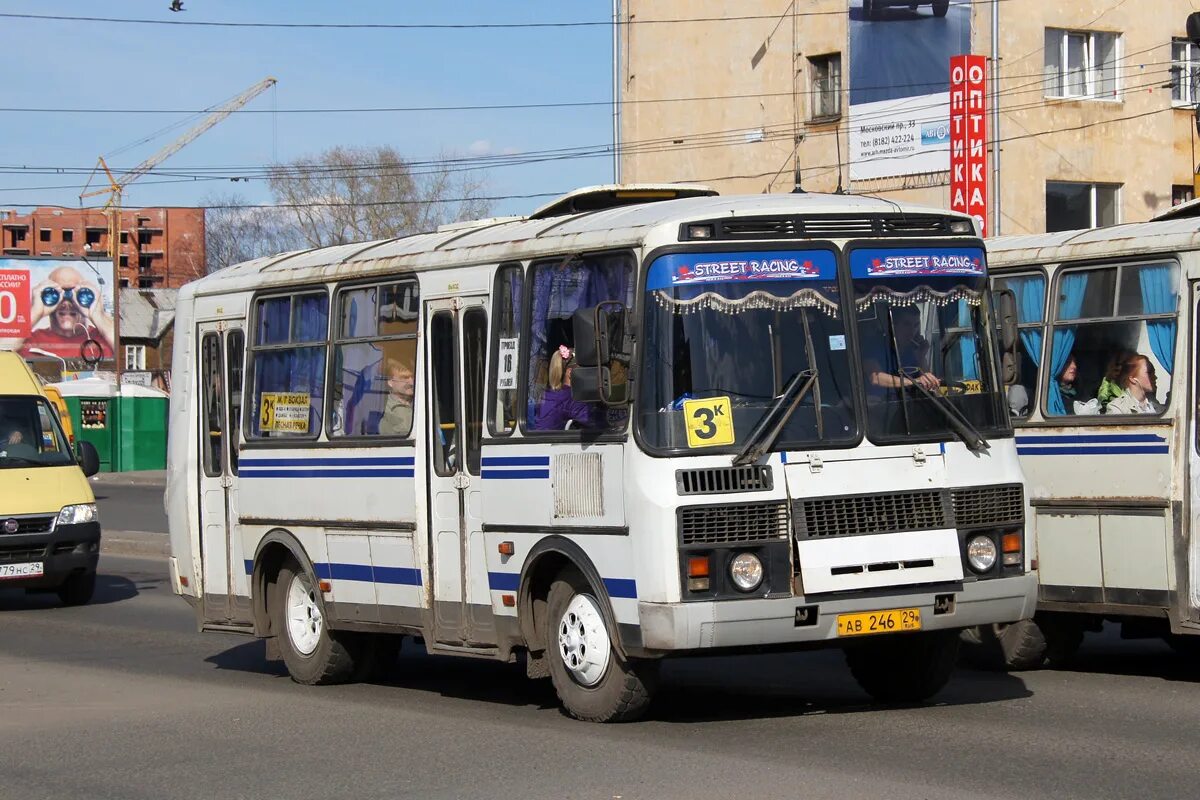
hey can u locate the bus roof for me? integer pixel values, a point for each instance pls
(522, 238)
(1132, 239)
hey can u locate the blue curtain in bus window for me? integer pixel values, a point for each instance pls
(968, 347)
(273, 317)
(1074, 286)
(1158, 298)
(1031, 302)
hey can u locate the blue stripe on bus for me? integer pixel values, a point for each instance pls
(326, 473)
(503, 581)
(516, 461)
(1091, 438)
(514, 474)
(339, 461)
(621, 587)
(405, 576)
(1133, 450)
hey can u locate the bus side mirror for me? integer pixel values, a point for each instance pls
(89, 459)
(1193, 27)
(600, 338)
(1006, 311)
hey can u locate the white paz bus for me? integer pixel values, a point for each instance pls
(639, 423)
(1105, 409)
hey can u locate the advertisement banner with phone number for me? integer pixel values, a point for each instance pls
(57, 308)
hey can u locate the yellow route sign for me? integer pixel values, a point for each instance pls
(284, 411)
(709, 422)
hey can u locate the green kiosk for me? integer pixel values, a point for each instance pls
(128, 428)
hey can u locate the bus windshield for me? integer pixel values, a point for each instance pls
(727, 333)
(30, 435)
(926, 348)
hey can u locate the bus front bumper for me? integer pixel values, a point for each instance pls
(750, 623)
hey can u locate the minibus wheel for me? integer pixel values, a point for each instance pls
(77, 589)
(593, 682)
(904, 668)
(313, 653)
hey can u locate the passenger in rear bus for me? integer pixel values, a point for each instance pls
(1110, 385)
(398, 407)
(1066, 384)
(1136, 377)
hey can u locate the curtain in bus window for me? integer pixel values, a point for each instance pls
(967, 344)
(273, 316)
(1074, 287)
(1031, 300)
(1158, 298)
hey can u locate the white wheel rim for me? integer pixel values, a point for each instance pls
(304, 622)
(583, 643)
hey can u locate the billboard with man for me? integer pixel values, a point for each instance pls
(899, 84)
(57, 307)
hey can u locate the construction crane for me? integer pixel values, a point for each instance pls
(116, 187)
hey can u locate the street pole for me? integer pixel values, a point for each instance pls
(995, 229)
(616, 89)
(114, 249)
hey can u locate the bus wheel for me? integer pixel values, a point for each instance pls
(313, 653)
(593, 682)
(907, 668)
(1014, 646)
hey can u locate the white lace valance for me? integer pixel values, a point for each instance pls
(919, 295)
(756, 300)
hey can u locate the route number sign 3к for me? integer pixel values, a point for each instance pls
(709, 422)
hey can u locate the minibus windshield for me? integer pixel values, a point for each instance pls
(726, 334)
(29, 434)
(926, 350)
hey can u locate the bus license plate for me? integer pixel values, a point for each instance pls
(893, 620)
(32, 569)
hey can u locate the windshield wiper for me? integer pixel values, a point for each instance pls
(20, 461)
(764, 434)
(958, 422)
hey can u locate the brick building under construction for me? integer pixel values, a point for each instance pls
(160, 248)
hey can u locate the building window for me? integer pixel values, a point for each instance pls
(44, 235)
(92, 237)
(1113, 345)
(146, 283)
(1082, 64)
(1182, 193)
(124, 261)
(135, 356)
(375, 360)
(1185, 72)
(68, 235)
(1070, 206)
(287, 397)
(124, 237)
(826, 91)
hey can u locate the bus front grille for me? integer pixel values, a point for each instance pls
(987, 506)
(825, 517)
(733, 523)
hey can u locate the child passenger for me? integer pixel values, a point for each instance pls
(558, 406)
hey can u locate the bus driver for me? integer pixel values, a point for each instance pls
(881, 367)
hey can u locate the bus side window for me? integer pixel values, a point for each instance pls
(374, 360)
(1030, 293)
(287, 398)
(213, 421)
(507, 304)
(444, 374)
(559, 289)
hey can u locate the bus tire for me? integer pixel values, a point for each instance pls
(1015, 646)
(77, 589)
(312, 653)
(593, 682)
(940, 7)
(905, 668)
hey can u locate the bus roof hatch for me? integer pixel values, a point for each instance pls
(613, 195)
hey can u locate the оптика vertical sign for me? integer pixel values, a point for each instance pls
(968, 137)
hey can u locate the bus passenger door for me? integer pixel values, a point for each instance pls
(226, 587)
(1192, 533)
(455, 358)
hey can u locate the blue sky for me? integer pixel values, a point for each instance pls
(94, 65)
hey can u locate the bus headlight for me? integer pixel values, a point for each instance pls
(746, 571)
(981, 553)
(77, 515)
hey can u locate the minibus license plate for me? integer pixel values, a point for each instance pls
(31, 570)
(893, 620)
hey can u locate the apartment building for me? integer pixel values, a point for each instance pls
(158, 248)
(1093, 123)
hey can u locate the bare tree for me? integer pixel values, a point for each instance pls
(353, 194)
(236, 231)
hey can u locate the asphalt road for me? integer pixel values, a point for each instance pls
(904, 53)
(123, 699)
(130, 507)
